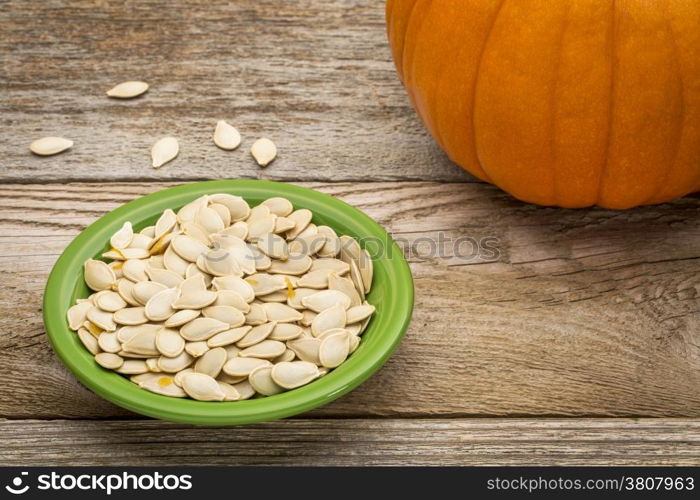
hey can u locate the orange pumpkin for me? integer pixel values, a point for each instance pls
(571, 103)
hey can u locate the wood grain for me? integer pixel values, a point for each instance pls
(579, 312)
(355, 442)
(316, 77)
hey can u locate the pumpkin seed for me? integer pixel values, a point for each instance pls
(99, 276)
(262, 261)
(143, 291)
(141, 241)
(295, 265)
(228, 337)
(196, 349)
(164, 277)
(274, 246)
(122, 238)
(116, 266)
(109, 360)
(188, 247)
(47, 146)
(220, 262)
(346, 286)
(267, 349)
(165, 224)
(144, 343)
(135, 270)
(264, 151)
(279, 206)
(238, 229)
(109, 342)
(287, 355)
(359, 313)
(176, 364)
(202, 387)
(202, 329)
(315, 279)
(334, 349)
(258, 212)
(335, 265)
(256, 315)
(126, 333)
(225, 314)
(196, 232)
(233, 299)
(301, 218)
(349, 249)
(130, 316)
(284, 224)
(310, 230)
(306, 349)
(332, 246)
(285, 331)
(230, 392)
(89, 341)
(333, 317)
(77, 315)
(309, 244)
(127, 90)
(243, 288)
(239, 367)
(356, 278)
(321, 301)
(126, 253)
(169, 342)
(278, 296)
(256, 334)
(163, 151)
(133, 367)
(211, 362)
(222, 212)
(260, 227)
(177, 379)
(236, 205)
(261, 380)
(103, 319)
(293, 374)
(244, 389)
(181, 317)
(281, 313)
(263, 283)
(226, 136)
(209, 220)
(163, 385)
(232, 351)
(173, 262)
(307, 317)
(195, 300)
(366, 268)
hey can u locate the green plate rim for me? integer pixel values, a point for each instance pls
(385, 331)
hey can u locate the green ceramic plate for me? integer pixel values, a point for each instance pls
(392, 294)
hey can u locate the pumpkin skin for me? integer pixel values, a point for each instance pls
(571, 103)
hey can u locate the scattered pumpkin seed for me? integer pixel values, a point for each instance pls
(47, 146)
(264, 151)
(226, 136)
(163, 151)
(127, 90)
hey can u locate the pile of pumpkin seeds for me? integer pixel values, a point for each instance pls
(221, 301)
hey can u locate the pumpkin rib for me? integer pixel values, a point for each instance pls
(475, 87)
(553, 108)
(679, 133)
(611, 105)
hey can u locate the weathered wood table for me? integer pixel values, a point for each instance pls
(575, 341)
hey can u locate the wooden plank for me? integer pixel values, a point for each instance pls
(354, 442)
(316, 77)
(579, 313)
